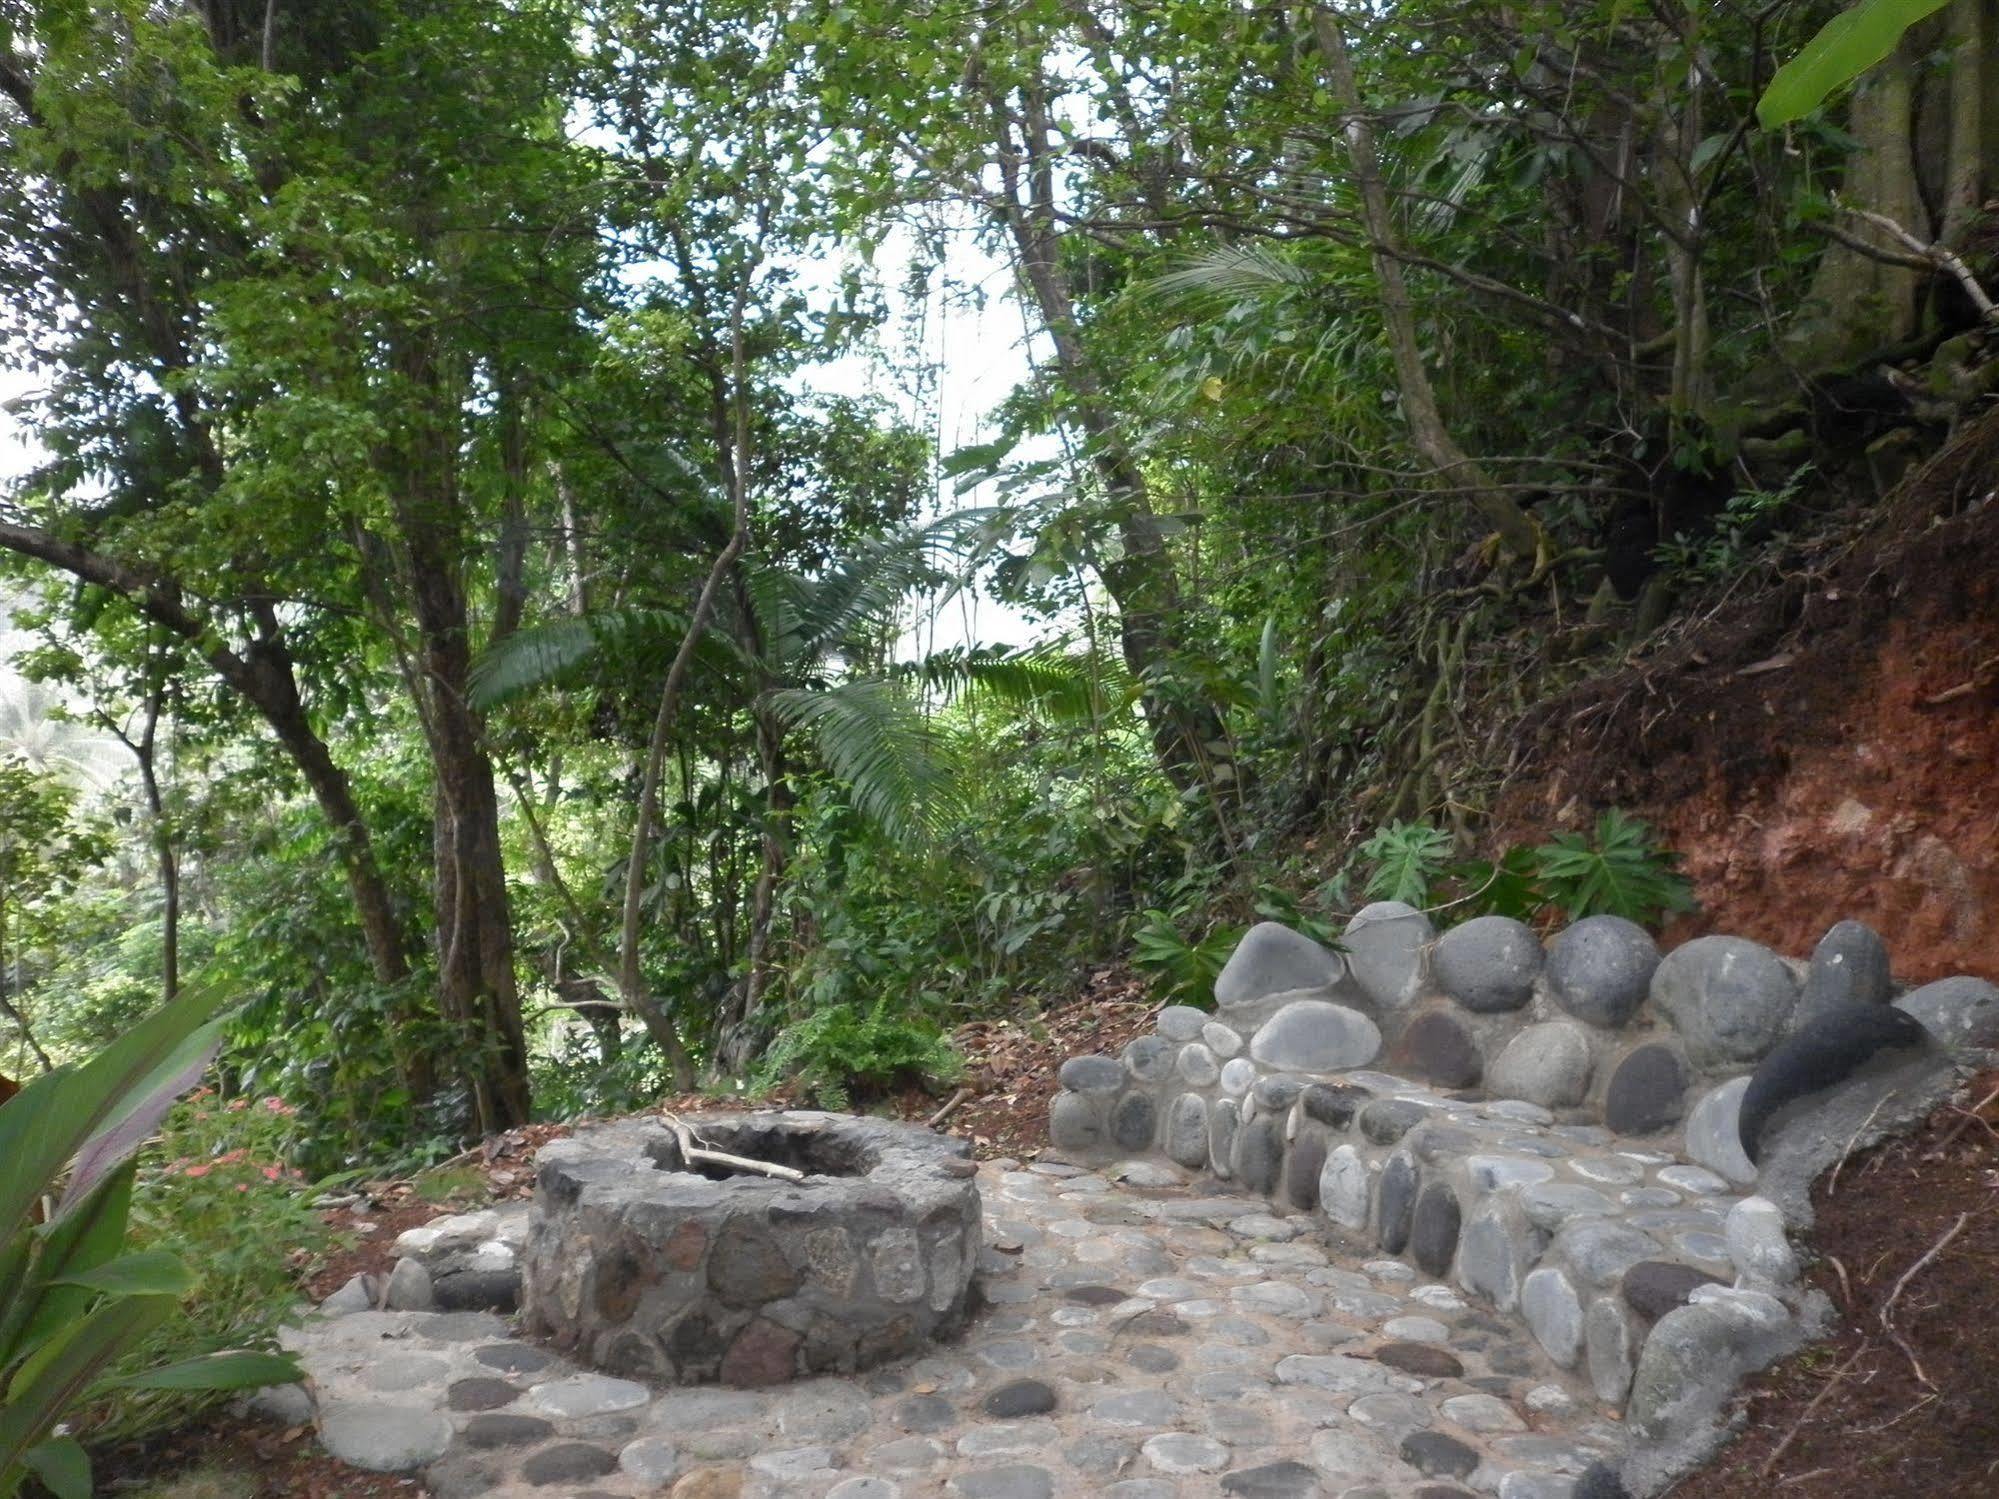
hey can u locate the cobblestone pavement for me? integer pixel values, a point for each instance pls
(1143, 1339)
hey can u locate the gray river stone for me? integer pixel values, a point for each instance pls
(1222, 1126)
(1237, 1075)
(1487, 964)
(1385, 942)
(1091, 1075)
(383, 1438)
(1960, 1011)
(1554, 1314)
(1729, 998)
(1647, 1091)
(1147, 1058)
(1600, 969)
(1220, 1039)
(1498, 1248)
(1849, 967)
(1395, 1202)
(1273, 959)
(1259, 1153)
(1433, 1234)
(1547, 1064)
(1187, 1131)
(1343, 1187)
(1181, 1022)
(1134, 1118)
(1313, 1035)
(1436, 1047)
(1713, 1136)
(1198, 1066)
(1076, 1122)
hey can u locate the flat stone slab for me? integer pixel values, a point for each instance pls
(1158, 1334)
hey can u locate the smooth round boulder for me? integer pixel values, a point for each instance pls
(1385, 942)
(1091, 1075)
(1134, 1118)
(1824, 1053)
(1197, 1065)
(1222, 1040)
(1488, 964)
(1647, 1092)
(1961, 1011)
(1273, 959)
(1653, 1288)
(1314, 1035)
(1712, 1134)
(1343, 1188)
(1237, 1075)
(1181, 1022)
(1436, 1047)
(1730, 999)
(1547, 1064)
(1601, 968)
(1147, 1058)
(1076, 1122)
(1433, 1231)
(1187, 1131)
(1222, 1122)
(1395, 1203)
(1554, 1314)
(1849, 967)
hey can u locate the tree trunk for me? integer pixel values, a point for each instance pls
(1433, 439)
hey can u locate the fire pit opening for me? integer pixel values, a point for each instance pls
(649, 1257)
(815, 1152)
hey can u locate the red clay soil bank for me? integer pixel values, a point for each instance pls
(1829, 749)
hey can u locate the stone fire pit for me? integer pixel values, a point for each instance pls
(642, 1266)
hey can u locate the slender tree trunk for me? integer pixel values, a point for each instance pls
(1427, 429)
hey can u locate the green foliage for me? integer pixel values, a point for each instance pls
(1182, 972)
(1619, 871)
(1845, 47)
(1407, 857)
(1746, 524)
(849, 1052)
(73, 1297)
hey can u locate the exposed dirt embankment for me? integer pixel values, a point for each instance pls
(1828, 748)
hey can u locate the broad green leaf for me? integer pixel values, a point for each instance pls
(232, 1369)
(57, 1376)
(83, 1239)
(62, 1465)
(144, 1272)
(1846, 46)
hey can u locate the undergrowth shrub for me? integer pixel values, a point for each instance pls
(847, 1052)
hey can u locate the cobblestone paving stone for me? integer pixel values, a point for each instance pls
(1144, 1338)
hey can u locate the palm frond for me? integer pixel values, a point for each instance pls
(1048, 679)
(876, 742)
(1232, 271)
(545, 654)
(866, 587)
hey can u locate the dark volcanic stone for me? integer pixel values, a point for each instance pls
(1160, 1322)
(1433, 1235)
(504, 1429)
(568, 1462)
(513, 1358)
(1647, 1091)
(1285, 1480)
(747, 1268)
(1095, 1295)
(1387, 1120)
(1825, 1052)
(1301, 1169)
(1259, 1152)
(1424, 1359)
(1334, 1104)
(481, 1394)
(1599, 1481)
(1020, 1397)
(1274, 1095)
(1438, 1455)
(1849, 967)
(1134, 1119)
(458, 1477)
(1653, 1288)
(1437, 1048)
(1395, 1203)
(477, 1290)
(1601, 968)
(762, 1354)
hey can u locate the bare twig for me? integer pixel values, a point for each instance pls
(1965, 688)
(1909, 1274)
(1974, 1113)
(695, 1154)
(951, 1105)
(1938, 256)
(1832, 1182)
(1806, 1414)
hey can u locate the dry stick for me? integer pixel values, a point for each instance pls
(1832, 1182)
(950, 1107)
(696, 1154)
(1907, 1275)
(1964, 1124)
(1806, 1414)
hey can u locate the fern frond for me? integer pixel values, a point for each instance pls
(1046, 679)
(874, 740)
(1232, 271)
(546, 654)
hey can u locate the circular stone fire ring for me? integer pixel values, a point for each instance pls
(640, 1266)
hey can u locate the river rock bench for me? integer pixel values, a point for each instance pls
(1611, 1144)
